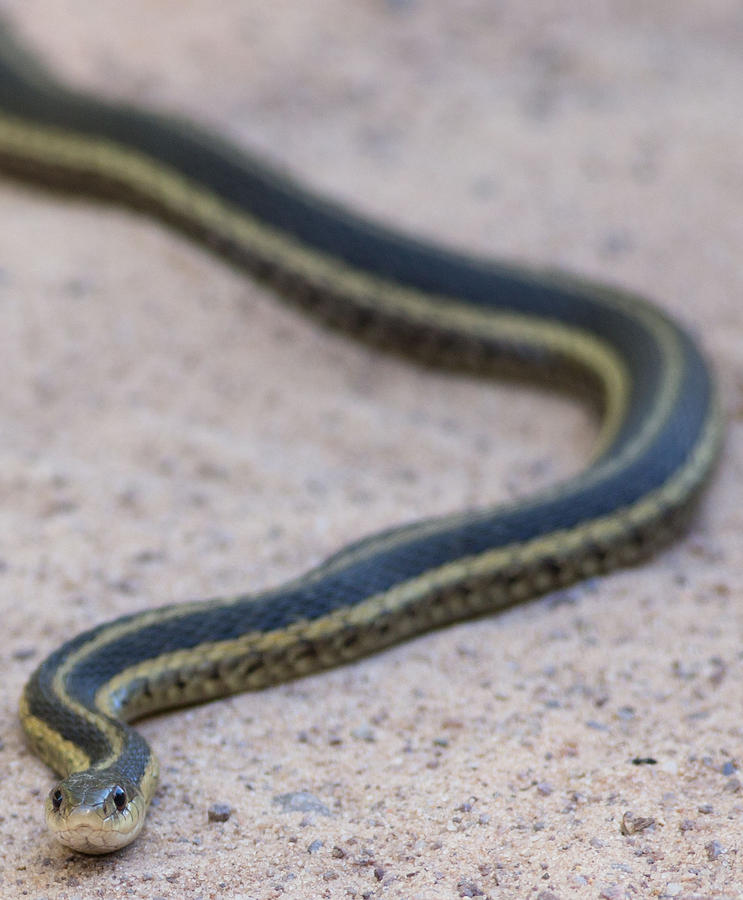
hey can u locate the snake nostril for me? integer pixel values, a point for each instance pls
(57, 799)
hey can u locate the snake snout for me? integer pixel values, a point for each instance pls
(91, 813)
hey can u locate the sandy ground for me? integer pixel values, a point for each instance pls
(170, 431)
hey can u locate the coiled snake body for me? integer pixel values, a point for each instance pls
(660, 432)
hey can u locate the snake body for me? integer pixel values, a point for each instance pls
(660, 433)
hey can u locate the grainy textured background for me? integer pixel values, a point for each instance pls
(169, 431)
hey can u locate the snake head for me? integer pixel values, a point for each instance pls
(93, 812)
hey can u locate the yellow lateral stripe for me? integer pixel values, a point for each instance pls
(368, 611)
(57, 752)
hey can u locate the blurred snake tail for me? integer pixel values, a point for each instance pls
(657, 401)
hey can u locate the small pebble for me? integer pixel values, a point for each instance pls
(219, 812)
(315, 847)
(364, 733)
(631, 823)
(706, 809)
(714, 849)
(469, 889)
(301, 801)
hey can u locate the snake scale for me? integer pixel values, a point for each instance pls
(660, 433)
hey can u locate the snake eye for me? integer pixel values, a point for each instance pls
(57, 800)
(119, 797)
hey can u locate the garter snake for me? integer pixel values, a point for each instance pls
(660, 432)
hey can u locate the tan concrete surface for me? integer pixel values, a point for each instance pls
(170, 431)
